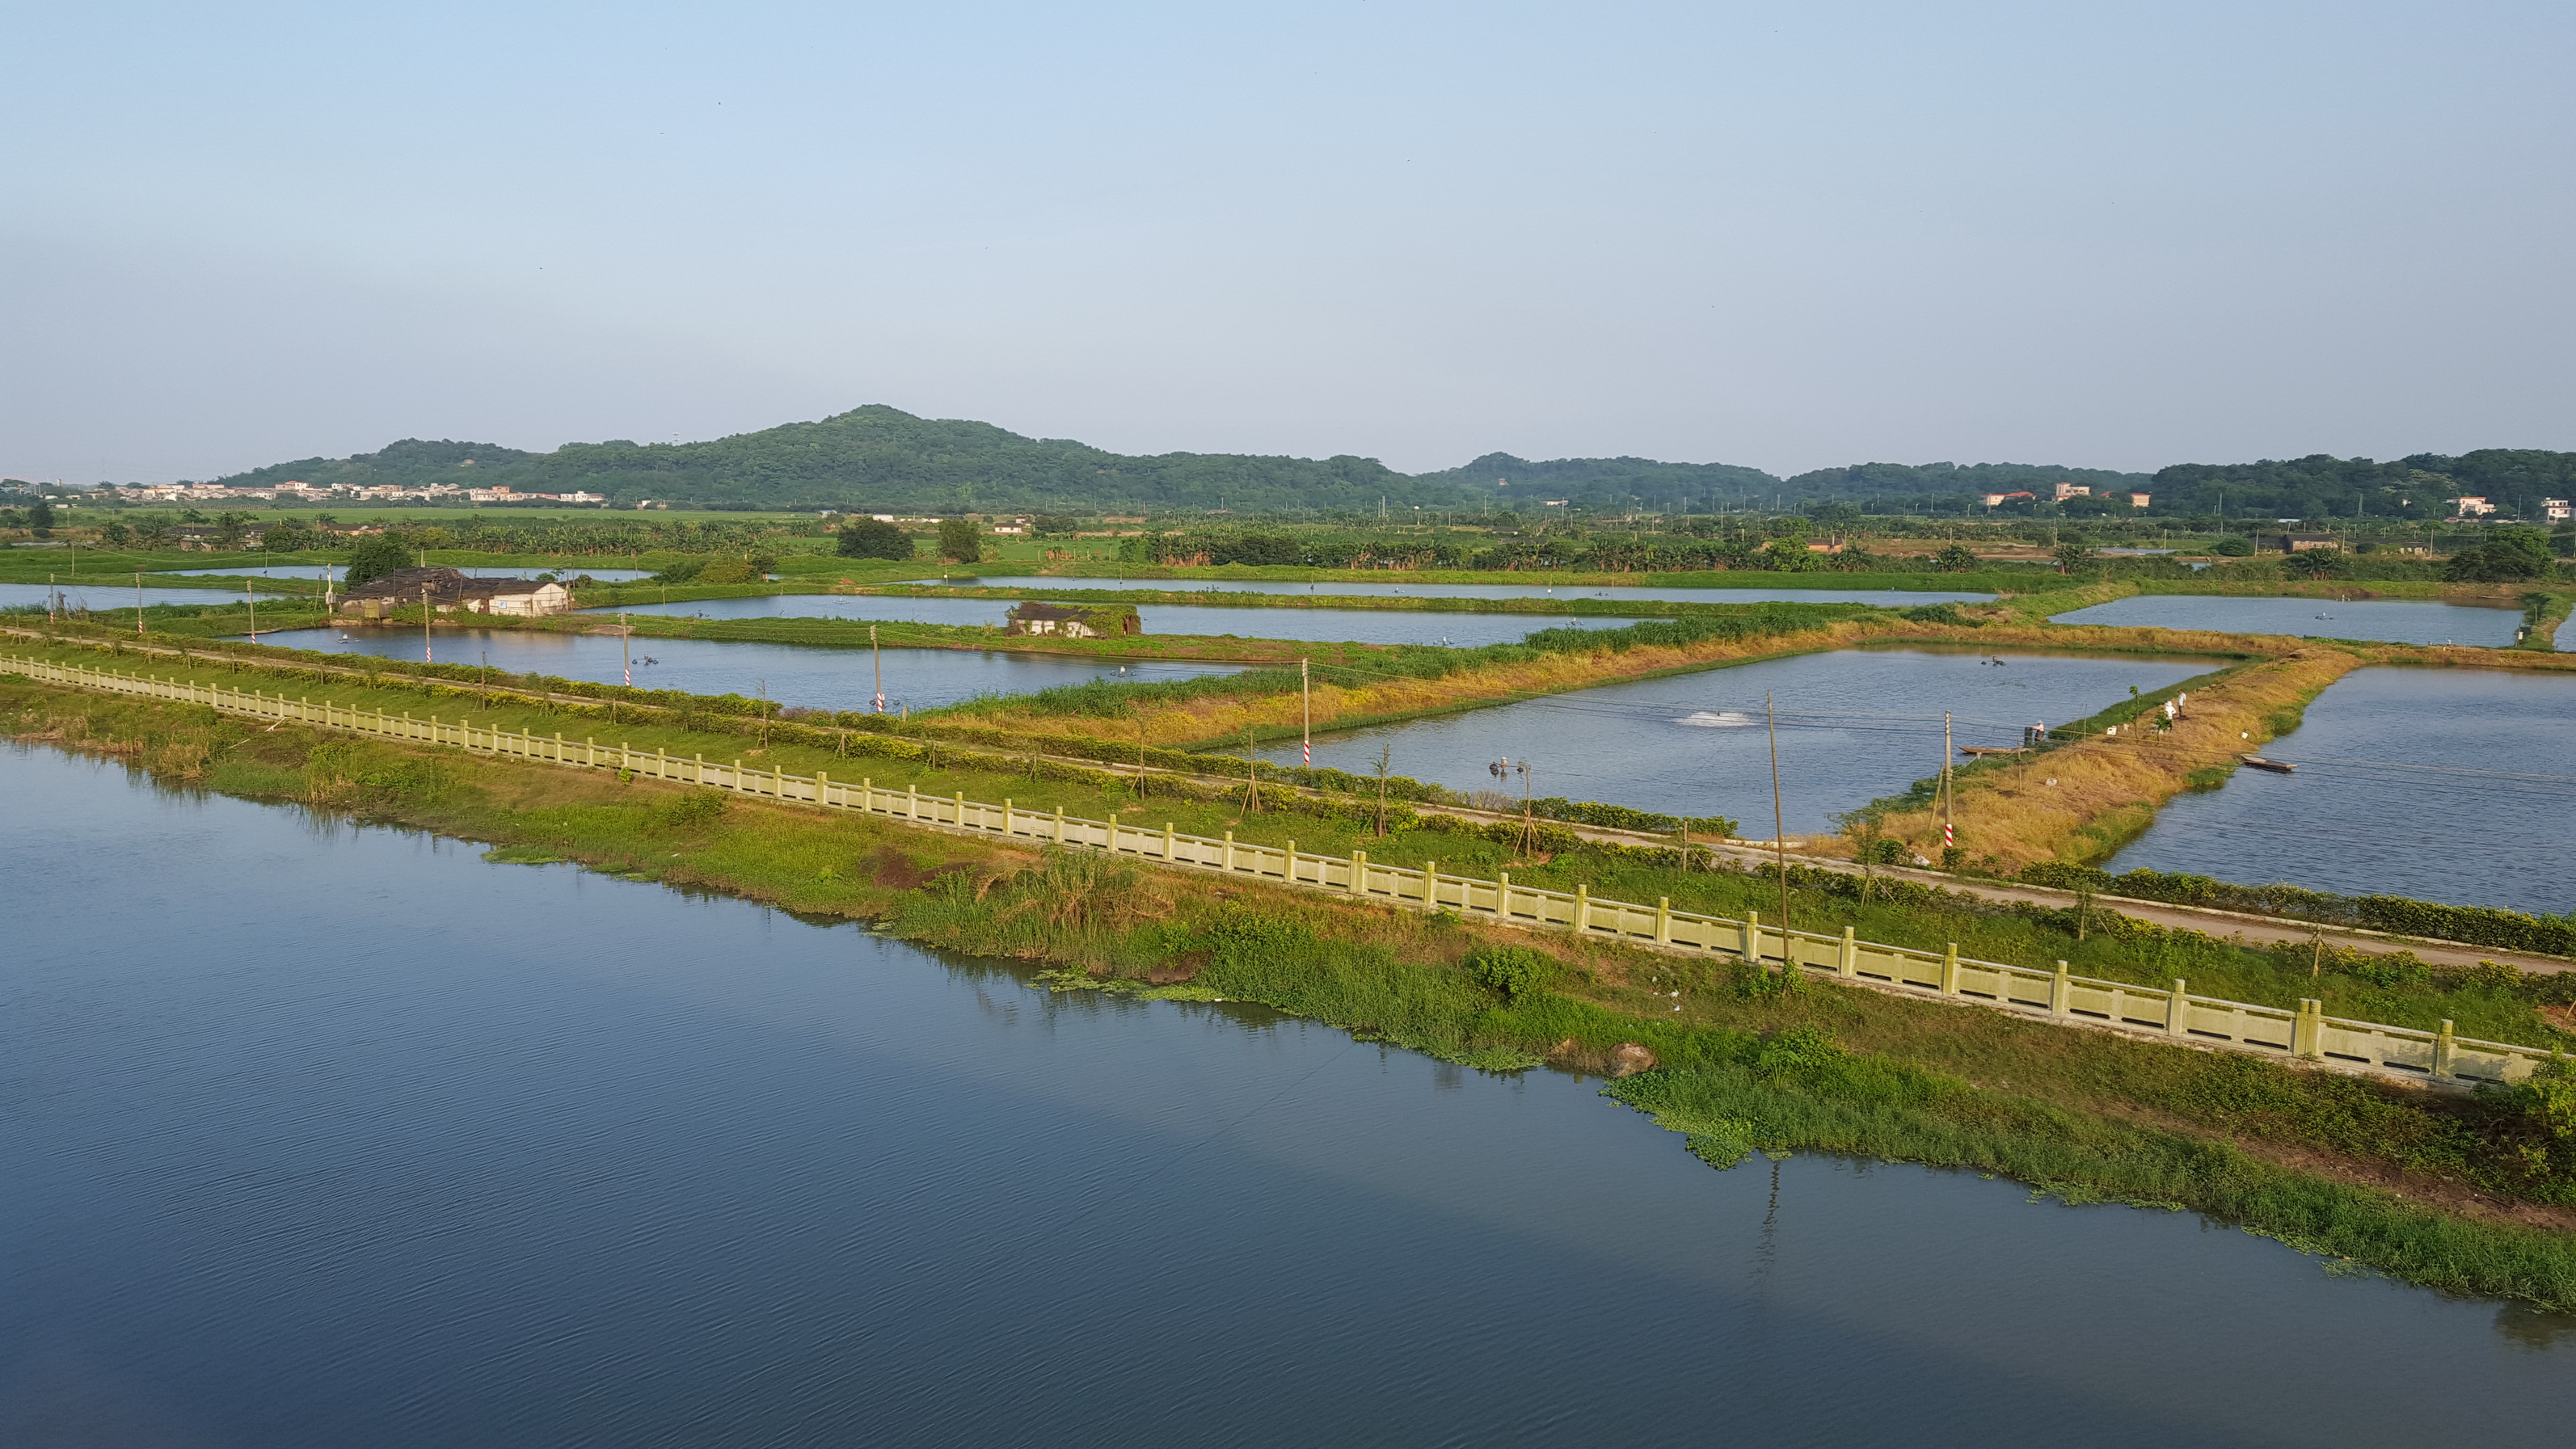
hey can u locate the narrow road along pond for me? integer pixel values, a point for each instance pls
(1887, 598)
(1854, 725)
(1360, 626)
(816, 678)
(2395, 621)
(2454, 785)
(328, 1135)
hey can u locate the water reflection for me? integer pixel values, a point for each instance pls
(1360, 626)
(837, 679)
(2450, 785)
(1393, 589)
(573, 1159)
(480, 571)
(105, 594)
(2398, 621)
(1855, 725)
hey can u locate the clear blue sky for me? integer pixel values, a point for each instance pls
(1782, 235)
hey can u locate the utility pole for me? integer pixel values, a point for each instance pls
(1306, 704)
(1779, 830)
(1949, 837)
(1529, 830)
(1251, 776)
(138, 603)
(425, 612)
(253, 599)
(626, 650)
(878, 656)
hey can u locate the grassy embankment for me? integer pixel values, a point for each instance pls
(2464, 1194)
(1336, 823)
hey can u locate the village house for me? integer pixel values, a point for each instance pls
(1075, 621)
(450, 591)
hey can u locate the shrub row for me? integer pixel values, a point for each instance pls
(2397, 915)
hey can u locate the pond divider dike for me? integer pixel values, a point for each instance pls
(2306, 1034)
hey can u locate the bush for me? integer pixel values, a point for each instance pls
(1513, 971)
(2494, 563)
(874, 538)
(2234, 548)
(374, 558)
(959, 542)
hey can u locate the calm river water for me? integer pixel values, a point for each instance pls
(1753, 594)
(797, 675)
(1854, 725)
(1362, 626)
(2454, 785)
(2397, 621)
(329, 1136)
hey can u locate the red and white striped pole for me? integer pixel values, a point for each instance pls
(1306, 703)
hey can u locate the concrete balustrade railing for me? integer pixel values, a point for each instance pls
(2305, 1033)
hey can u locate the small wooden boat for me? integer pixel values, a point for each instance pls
(2277, 767)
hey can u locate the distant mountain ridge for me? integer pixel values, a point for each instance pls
(883, 459)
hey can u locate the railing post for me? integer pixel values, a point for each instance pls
(2060, 992)
(1582, 908)
(1059, 825)
(1167, 842)
(2307, 1034)
(1502, 895)
(2177, 1010)
(1430, 885)
(1359, 873)
(961, 810)
(1663, 920)
(1950, 970)
(2443, 1049)
(1753, 938)
(912, 802)
(822, 788)
(1006, 817)
(1288, 865)
(1847, 965)
(1229, 850)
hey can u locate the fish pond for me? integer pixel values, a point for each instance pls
(816, 678)
(1751, 594)
(1854, 725)
(331, 1135)
(479, 571)
(105, 594)
(2453, 785)
(2394, 621)
(1360, 626)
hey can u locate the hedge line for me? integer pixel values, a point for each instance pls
(2397, 915)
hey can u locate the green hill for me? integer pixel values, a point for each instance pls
(881, 459)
